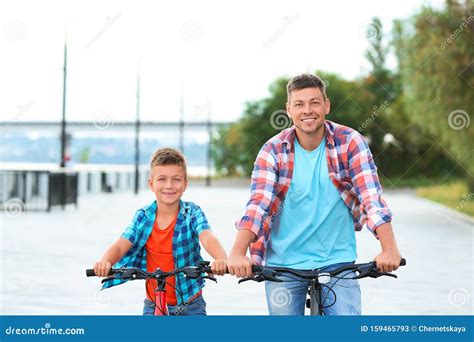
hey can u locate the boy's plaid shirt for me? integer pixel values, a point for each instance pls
(351, 169)
(190, 223)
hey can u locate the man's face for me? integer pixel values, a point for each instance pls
(308, 109)
(168, 182)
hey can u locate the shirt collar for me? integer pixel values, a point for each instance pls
(290, 134)
(150, 209)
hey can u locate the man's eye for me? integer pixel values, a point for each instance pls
(298, 105)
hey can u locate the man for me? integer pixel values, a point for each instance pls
(313, 185)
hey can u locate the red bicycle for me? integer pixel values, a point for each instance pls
(161, 307)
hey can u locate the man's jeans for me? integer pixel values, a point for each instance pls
(196, 308)
(289, 297)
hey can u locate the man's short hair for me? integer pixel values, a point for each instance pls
(168, 156)
(304, 81)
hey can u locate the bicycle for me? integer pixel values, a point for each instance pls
(160, 303)
(318, 279)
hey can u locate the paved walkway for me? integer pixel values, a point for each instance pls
(44, 257)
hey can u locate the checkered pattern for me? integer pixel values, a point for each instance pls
(190, 223)
(351, 169)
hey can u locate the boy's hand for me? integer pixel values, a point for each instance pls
(219, 267)
(102, 268)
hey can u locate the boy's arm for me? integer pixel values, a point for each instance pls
(212, 245)
(111, 256)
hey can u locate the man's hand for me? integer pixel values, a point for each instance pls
(388, 261)
(240, 266)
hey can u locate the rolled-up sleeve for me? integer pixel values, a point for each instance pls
(365, 181)
(262, 191)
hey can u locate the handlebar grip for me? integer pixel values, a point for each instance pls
(91, 273)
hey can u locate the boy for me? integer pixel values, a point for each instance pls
(166, 234)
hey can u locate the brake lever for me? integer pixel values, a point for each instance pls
(374, 274)
(107, 279)
(379, 274)
(265, 275)
(258, 279)
(209, 277)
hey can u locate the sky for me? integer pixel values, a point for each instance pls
(201, 57)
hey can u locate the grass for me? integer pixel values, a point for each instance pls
(454, 194)
(452, 191)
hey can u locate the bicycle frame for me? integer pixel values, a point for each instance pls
(315, 294)
(161, 303)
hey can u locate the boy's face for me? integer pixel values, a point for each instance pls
(168, 182)
(308, 109)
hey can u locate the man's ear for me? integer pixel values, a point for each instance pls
(328, 106)
(288, 109)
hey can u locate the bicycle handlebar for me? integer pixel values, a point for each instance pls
(136, 273)
(369, 269)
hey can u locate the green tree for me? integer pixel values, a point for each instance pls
(436, 66)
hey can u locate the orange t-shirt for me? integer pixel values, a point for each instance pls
(159, 253)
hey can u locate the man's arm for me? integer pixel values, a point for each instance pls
(367, 186)
(264, 180)
(389, 259)
(239, 264)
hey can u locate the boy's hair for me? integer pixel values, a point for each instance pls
(168, 156)
(304, 81)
